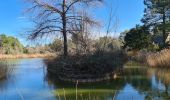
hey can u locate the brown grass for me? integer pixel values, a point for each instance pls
(10, 56)
(159, 59)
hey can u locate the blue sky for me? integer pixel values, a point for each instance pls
(128, 13)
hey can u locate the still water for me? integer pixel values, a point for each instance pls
(26, 79)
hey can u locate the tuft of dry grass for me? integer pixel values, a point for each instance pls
(159, 59)
(10, 56)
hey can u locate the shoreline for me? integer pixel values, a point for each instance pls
(17, 56)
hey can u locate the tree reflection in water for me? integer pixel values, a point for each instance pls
(6, 69)
(148, 83)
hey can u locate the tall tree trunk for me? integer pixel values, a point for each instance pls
(65, 39)
(64, 30)
(164, 30)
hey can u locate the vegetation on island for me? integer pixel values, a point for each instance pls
(80, 56)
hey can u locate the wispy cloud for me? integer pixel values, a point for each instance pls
(22, 17)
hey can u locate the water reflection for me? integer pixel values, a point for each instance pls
(27, 79)
(131, 84)
(26, 82)
(5, 74)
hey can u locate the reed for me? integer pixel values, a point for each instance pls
(159, 59)
(10, 56)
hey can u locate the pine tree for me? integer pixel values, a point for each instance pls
(157, 15)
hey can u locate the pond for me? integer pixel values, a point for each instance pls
(27, 79)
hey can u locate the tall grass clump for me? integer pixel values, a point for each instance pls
(138, 56)
(159, 59)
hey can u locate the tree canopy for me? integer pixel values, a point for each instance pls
(137, 38)
(157, 16)
(10, 45)
(59, 16)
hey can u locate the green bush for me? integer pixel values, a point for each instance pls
(10, 45)
(138, 38)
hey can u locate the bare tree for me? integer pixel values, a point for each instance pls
(82, 38)
(112, 24)
(57, 16)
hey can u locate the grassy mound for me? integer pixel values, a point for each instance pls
(86, 68)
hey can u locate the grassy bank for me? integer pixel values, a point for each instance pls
(152, 59)
(159, 59)
(12, 56)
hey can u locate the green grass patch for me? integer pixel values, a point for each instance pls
(63, 92)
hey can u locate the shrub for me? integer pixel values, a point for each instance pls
(138, 38)
(10, 45)
(85, 67)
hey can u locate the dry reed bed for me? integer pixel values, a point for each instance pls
(159, 59)
(4, 56)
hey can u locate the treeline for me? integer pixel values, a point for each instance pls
(87, 46)
(11, 45)
(154, 34)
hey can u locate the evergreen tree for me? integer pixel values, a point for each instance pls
(157, 15)
(138, 38)
(10, 45)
